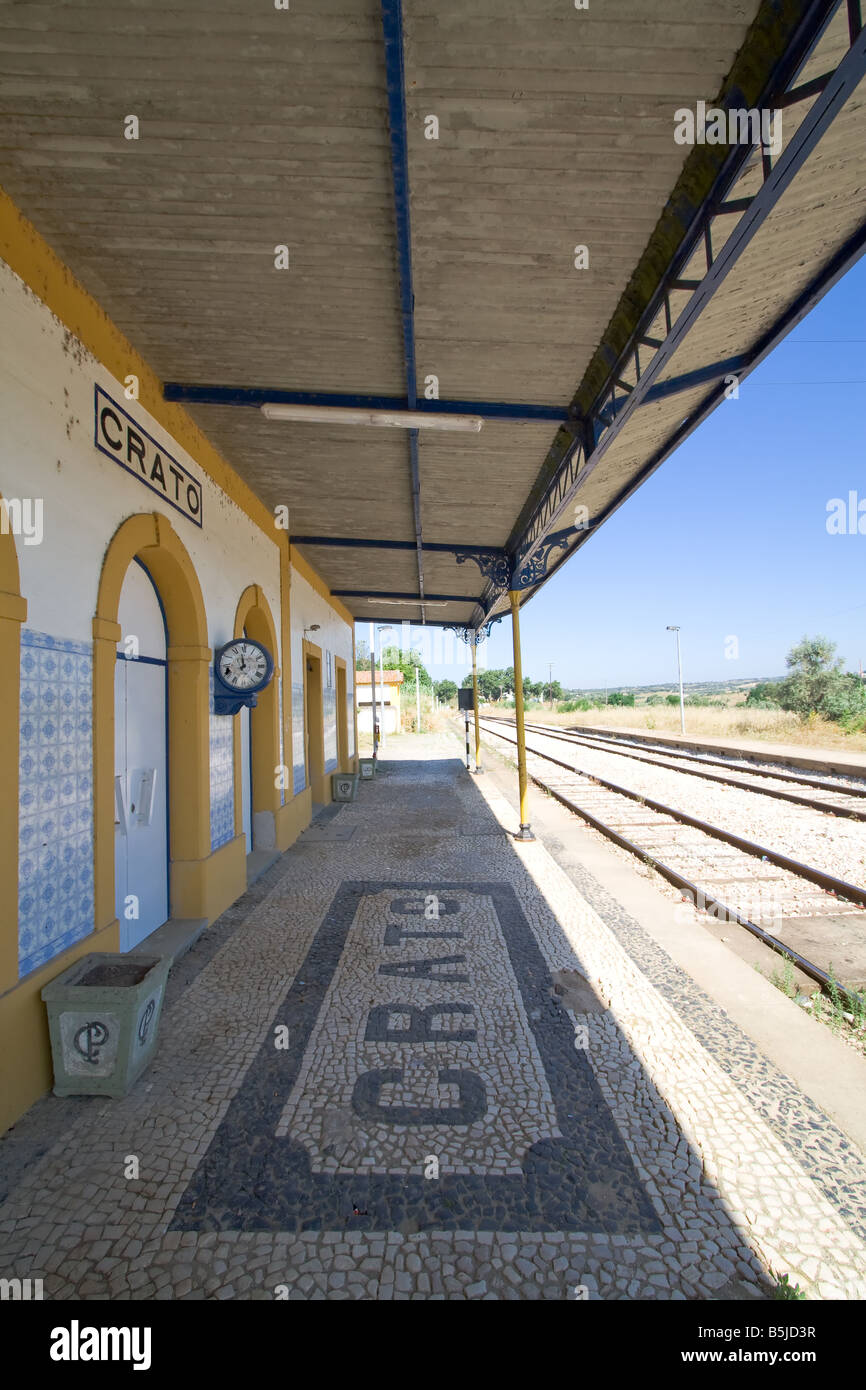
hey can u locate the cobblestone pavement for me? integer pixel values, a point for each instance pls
(418, 1061)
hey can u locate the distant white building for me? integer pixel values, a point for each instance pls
(388, 685)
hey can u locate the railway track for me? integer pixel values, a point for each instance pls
(836, 799)
(714, 868)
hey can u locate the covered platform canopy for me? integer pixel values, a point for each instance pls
(486, 209)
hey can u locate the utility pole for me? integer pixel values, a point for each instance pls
(383, 627)
(550, 682)
(680, 675)
(373, 688)
(417, 703)
(382, 674)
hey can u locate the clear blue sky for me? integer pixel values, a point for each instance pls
(727, 539)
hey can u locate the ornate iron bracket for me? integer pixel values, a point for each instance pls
(473, 636)
(494, 565)
(533, 570)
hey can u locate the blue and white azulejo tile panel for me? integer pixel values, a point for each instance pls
(299, 771)
(55, 798)
(329, 707)
(283, 778)
(222, 775)
(350, 719)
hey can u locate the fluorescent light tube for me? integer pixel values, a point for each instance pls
(389, 419)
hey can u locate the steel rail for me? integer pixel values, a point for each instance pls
(849, 892)
(576, 740)
(802, 779)
(721, 911)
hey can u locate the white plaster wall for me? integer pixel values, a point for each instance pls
(334, 635)
(47, 450)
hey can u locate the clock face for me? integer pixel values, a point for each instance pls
(244, 665)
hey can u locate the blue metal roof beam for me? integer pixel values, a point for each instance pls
(559, 496)
(362, 543)
(847, 256)
(392, 26)
(401, 596)
(257, 396)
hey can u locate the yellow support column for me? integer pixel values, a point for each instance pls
(475, 704)
(524, 833)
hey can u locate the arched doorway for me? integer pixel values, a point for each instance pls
(314, 722)
(257, 737)
(151, 539)
(141, 859)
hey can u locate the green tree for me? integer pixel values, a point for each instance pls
(817, 684)
(764, 694)
(445, 691)
(394, 659)
(814, 672)
(493, 684)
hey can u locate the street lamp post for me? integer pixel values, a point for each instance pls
(383, 627)
(673, 628)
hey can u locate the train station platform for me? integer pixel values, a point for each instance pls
(419, 1059)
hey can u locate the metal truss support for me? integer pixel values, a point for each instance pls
(848, 254)
(632, 378)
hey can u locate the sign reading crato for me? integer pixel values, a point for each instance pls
(118, 436)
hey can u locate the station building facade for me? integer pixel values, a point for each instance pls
(130, 553)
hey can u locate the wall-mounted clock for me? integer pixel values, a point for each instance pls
(242, 668)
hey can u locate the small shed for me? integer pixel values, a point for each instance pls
(388, 685)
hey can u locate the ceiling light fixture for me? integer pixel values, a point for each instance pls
(390, 419)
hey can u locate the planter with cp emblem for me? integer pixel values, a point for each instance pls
(103, 1018)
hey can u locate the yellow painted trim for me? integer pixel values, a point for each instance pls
(342, 716)
(25, 1050)
(294, 817)
(520, 728)
(110, 632)
(306, 571)
(206, 887)
(355, 699)
(151, 537)
(41, 269)
(315, 736)
(13, 611)
(30, 256)
(253, 613)
(13, 607)
(286, 680)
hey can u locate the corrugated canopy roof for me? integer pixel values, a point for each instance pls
(439, 273)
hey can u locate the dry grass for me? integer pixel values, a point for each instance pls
(737, 723)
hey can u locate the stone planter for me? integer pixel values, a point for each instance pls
(103, 1018)
(366, 769)
(344, 786)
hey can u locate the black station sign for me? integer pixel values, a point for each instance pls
(122, 439)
